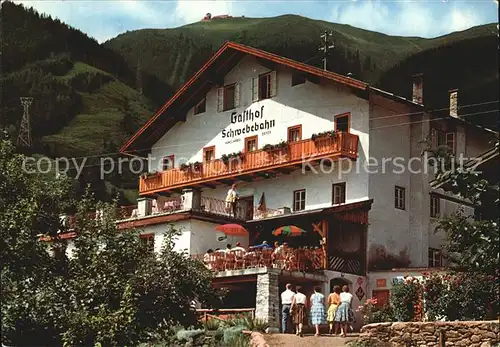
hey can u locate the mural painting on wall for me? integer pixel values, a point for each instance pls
(380, 259)
(255, 122)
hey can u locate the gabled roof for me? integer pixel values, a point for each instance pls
(211, 74)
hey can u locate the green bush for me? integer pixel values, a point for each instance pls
(234, 337)
(405, 298)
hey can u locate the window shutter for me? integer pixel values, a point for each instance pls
(237, 95)
(273, 83)
(255, 89)
(220, 99)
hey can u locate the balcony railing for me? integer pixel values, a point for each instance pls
(342, 145)
(302, 259)
(173, 204)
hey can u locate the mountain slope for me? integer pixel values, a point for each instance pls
(84, 101)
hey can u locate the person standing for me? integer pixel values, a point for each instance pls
(333, 304)
(232, 196)
(286, 303)
(298, 309)
(344, 314)
(317, 309)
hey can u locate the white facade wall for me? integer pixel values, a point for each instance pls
(389, 228)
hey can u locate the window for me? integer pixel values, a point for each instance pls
(298, 78)
(295, 133)
(201, 107)
(264, 86)
(299, 200)
(399, 198)
(251, 144)
(149, 241)
(435, 258)
(168, 162)
(382, 297)
(442, 138)
(338, 193)
(342, 122)
(208, 153)
(228, 97)
(435, 206)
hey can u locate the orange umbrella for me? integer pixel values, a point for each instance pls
(232, 230)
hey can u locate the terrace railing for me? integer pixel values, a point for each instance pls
(305, 260)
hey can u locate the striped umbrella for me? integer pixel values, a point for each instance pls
(289, 230)
(232, 230)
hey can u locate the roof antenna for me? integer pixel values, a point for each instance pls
(326, 46)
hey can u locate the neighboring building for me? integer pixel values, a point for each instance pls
(208, 17)
(287, 133)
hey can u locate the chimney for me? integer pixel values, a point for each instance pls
(418, 88)
(453, 102)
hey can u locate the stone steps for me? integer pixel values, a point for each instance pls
(309, 340)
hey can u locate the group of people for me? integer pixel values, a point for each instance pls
(296, 306)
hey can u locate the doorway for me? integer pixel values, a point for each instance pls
(245, 207)
(338, 281)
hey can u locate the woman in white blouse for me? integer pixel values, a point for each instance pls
(344, 314)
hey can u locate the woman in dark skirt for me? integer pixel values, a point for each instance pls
(298, 309)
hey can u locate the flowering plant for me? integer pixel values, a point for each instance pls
(373, 314)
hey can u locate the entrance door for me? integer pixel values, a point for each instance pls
(337, 282)
(245, 208)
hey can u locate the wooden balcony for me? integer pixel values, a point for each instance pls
(251, 164)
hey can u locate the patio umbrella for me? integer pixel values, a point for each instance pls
(232, 230)
(288, 230)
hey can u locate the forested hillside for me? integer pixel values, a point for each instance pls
(84, 100)
(89, 98)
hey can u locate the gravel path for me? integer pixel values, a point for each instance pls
(309, 340)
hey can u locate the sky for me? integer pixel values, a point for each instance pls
(105, 19)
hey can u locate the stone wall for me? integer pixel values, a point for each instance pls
(438, 334)
(267, 300)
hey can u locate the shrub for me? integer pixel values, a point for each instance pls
(234, 337)
(372, 314)
(405, 299)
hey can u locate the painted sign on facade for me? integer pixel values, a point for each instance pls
(254, 122)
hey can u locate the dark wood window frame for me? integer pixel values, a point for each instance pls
(292, 128)
(250, 138)
(335, 121)
(208, 149)
(301, 201)
(168, 158)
